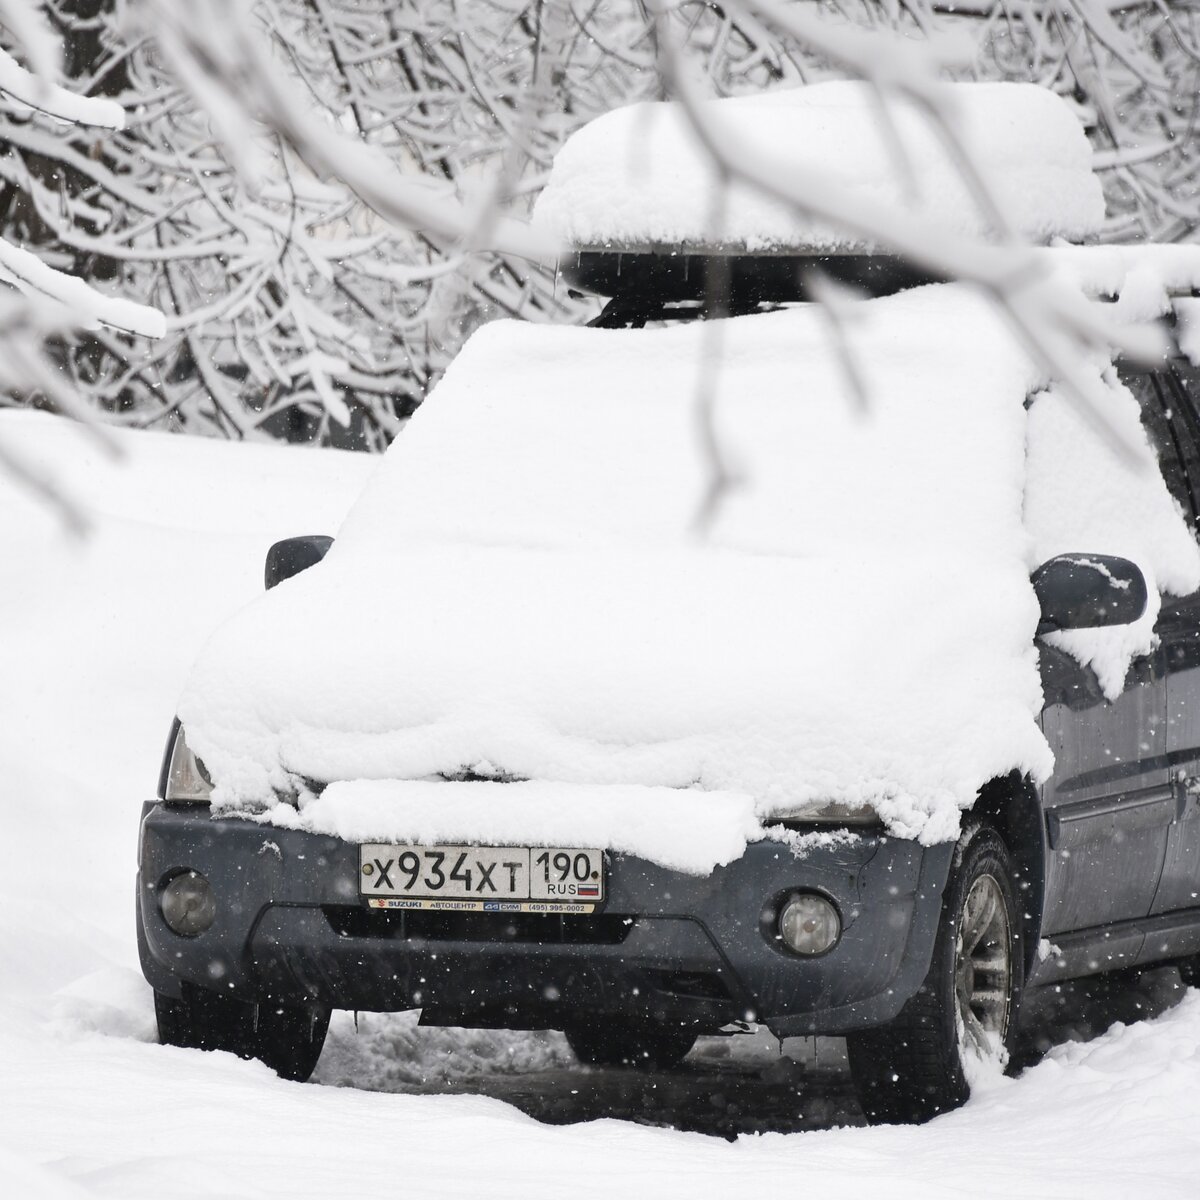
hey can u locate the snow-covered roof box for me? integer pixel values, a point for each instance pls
(520, 593)
(638, 178)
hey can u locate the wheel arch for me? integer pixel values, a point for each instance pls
(1012, 806)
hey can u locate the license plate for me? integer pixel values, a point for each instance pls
(482, 878)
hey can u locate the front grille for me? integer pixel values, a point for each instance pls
(605, 929)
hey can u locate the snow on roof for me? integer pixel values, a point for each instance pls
(519, 592)
(637, 176)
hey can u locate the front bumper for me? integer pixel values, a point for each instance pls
(669, 946)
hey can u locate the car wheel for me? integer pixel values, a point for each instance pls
(286, 1037)
(1189, 970)
(913, 1068)
(625, 1044)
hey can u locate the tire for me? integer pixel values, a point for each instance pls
(288, 1038)
(912, 1069)
(625, 1044)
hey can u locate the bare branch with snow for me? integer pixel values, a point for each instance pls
(38, 93)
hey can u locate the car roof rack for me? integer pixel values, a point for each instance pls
(671, 282)
(686, 282)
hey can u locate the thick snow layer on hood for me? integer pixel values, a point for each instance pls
(638, 175)
(636, 819)
(791, 682)
(520, 593)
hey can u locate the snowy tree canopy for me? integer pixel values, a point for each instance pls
(48, 304)
(327, 196)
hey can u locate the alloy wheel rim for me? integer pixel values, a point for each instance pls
(983, 965)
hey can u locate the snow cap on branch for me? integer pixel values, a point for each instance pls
(87, 306)
(39, 93)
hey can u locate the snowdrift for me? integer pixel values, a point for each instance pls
(639, 177)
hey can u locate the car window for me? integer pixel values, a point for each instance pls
(1157, 399)
(1183, 387)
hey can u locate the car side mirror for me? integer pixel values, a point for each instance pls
(293, 555)
(1085, 591)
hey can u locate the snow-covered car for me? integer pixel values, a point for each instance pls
(560, 732)
(520, 752)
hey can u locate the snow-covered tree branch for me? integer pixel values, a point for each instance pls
(48, 304)
(327, 196)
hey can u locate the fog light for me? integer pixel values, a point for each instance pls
(809, 924)
(188, 904)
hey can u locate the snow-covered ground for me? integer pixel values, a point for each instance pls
(96, 640)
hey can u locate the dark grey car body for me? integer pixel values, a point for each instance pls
(1107, 857)
(673, 947)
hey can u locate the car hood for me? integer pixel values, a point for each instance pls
(785, 681)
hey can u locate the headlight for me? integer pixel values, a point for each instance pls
(186, 781)
(836, 814)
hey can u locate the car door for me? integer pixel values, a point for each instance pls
(1176, 391)
(1110, 803)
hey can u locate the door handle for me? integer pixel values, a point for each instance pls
(1186, 787)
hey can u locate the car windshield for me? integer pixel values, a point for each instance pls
(570, 437)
